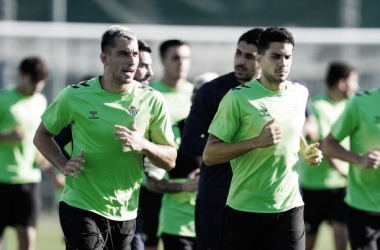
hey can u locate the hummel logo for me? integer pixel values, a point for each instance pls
(264, 112)
(93, 115)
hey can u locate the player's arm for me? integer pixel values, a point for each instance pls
(218, 151)
(333, 149)
(56, 179)
(15, 136)
(310, 128)
(162, 156)
(45, 143)
(312, 156)
(168, 186)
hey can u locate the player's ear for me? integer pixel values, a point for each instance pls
(103, 58)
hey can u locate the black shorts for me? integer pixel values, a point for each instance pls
(150, 204)
(244, 230)
(321, 205)
(208, 224)
(86, 230)
(20, 204)
(363, 229)
(176, 242)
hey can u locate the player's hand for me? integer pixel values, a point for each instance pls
(191, 185)
(131, 137)
(15, 136)
(73, 166)
(371, 159)
(313, 156)
(270, 135)
(152, 171)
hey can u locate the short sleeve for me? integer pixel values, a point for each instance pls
(227, 119)
(58, 114)
(160, 129)
(347, 122)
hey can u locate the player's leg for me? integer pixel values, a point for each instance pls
(245, 230)
(338, 218)
(289, 231)
(137, 242)
(28, 209)
(26, 237)
(315, 211)
(176, 242)
(208, 224)
(363, 229)
(83, 229)
(6, 208)
(340, 235)
(150, 204)
(121, 234)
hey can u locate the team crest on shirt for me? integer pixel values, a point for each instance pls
(264, 112)
(133, 111)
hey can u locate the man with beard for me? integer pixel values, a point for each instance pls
(117, 122)
(262, 139)
(215, 181)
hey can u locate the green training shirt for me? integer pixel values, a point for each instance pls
(18, 160)
(361, 122)
(110, 182)
(177, 210)
(179, 101)
(177, 213)
(326, 112)
(265, 180)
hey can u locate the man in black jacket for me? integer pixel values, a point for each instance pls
(215, 181)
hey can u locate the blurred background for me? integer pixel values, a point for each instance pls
(66, 34)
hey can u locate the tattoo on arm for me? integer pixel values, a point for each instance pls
(163, 186)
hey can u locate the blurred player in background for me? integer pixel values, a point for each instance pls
(323, 188)
(20, 109)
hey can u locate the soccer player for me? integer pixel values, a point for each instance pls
(324, 187)
(360, 122)
(112, 118)
(215, 180)
(144, 70)
(176, 219)
(20, 177)
(258, 128)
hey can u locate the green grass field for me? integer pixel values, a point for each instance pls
(50, 237)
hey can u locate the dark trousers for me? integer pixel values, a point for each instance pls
(86, 230)
(277, 231)
(363, 229)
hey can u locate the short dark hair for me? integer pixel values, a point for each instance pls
(272, 35)
(122, 32)
(336, 71)
(251, 36)
(35, 68)
(143, 46)
(164, 47)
